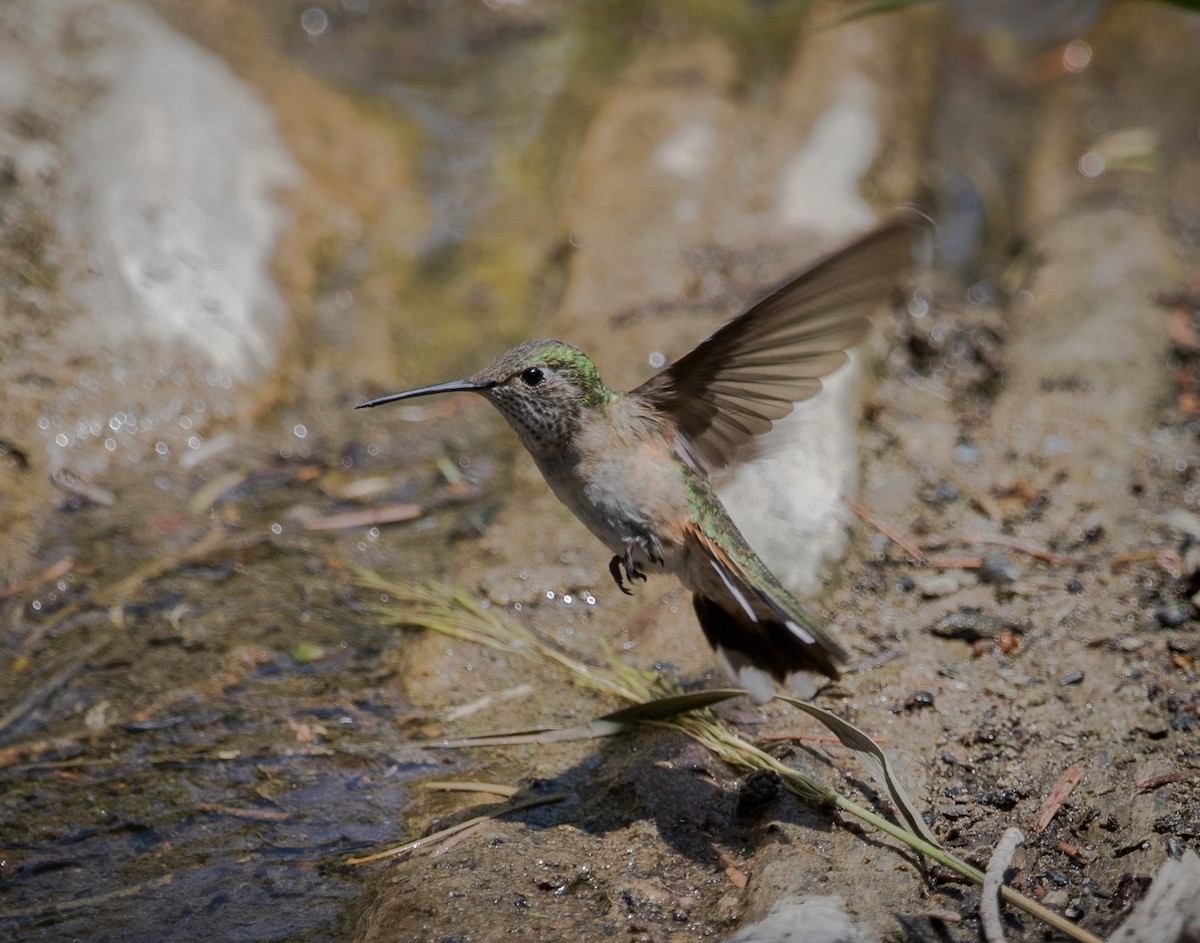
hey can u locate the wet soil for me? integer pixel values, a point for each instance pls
(204, 718)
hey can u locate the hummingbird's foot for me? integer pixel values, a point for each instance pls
(614, 567)
(631, 569)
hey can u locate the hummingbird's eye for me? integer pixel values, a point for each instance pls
(532, 376)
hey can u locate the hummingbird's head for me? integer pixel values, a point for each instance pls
(542, 387)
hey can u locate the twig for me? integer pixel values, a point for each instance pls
(1029, 547)
(1070, 779)
(31, 752)
(1157, 782)
(993, 880)
(368, 517)
(1166, 558)
(50, 687)
(955, 563)
(889, 532)
(52, 572)
(118, 592)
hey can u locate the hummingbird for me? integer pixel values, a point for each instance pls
(637, 468)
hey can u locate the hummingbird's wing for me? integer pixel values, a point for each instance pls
(759, 631)
(736, 382)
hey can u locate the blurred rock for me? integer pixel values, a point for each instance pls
(172, 182)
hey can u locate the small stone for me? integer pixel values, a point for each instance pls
(997, 569)
(937, 584)
(1172, 615)
(918, 701)
(964, 625)
(944, 493)
(641, 894)
(1073, 678)
(1131, 643)
(1074, 586)
(981, 647)
(967, 453)
(1008, 641)
(1004, 799)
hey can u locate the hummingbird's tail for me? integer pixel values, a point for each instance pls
(760, 633)
(756, 654)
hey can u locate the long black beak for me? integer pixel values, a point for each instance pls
(453, 386)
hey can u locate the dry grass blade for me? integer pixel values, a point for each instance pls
(542, 736)
(874, 760)
(487, 701)
(459, 785)
(456, 615)
(431, 843)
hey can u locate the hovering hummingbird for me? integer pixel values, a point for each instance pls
(635, 467)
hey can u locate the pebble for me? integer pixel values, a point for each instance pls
(1172, 615)
(944, 493)
(937, 584)
(997, 569)
(966, 453)
(919, 700)
(965, 625)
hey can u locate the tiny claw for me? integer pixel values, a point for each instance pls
(614, 567)
(631, 569)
